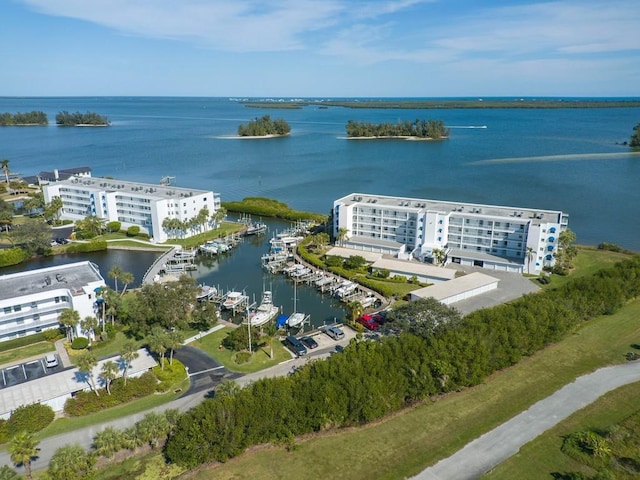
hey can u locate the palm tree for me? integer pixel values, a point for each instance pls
(158, 340)
(8, 473)
(108, 441)
(342, 235)
(86, 363)
(4, 164)
(152, 427)
(70, 462)
(227, 388)
(109, 372)
(529, 258)
(89, 325)
(115, 273)
(439, 255)
(355, 309)
(175, 339)
(69, 318)
(127, 278)
(23, 448)
(128, 354)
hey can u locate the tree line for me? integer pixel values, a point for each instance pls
(261, 127)
(27, 118)
(634, 142)
(434, 129)
(67, 119)
(432, 351)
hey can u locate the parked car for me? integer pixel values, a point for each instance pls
(309, 342)
(339, 349)
(368, 322)
(295, 345)
(334, 332)
(380, 318)
(51, 361)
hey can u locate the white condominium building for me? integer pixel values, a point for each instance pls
(31, 301)
(501, 238)
(131, 203)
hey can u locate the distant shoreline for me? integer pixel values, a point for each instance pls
(449, 104)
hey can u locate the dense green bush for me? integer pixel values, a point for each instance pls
(113, 226)
(30, 418)
(397, 370)
(12, 256)
(80, 343)
(53, 334)
(95, 245)
(86, 402)
(4, 431)
(22, 341)
(172, 375)
(266, 207)
(133, 231)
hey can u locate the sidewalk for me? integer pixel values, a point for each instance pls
(62, 352)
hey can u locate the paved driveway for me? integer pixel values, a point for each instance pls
(494, 447)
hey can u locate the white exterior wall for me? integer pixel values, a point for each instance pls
(37, 310)
(142, 205)
(424, 225)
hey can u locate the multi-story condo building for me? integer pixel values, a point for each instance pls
(132, 203)
(501, 238)
(31, 301)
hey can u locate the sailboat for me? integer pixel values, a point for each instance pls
(296, 319)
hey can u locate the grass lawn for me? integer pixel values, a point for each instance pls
(542, 457)
(68, 424)
(587, 262)
(109, 348)
(226, 228)
(259, 360)
(407, 442)
(16, 354)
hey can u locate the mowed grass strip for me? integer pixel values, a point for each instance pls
(405, 443)
(542, 457)
(16, 354)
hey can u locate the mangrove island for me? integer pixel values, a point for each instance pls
(264, 127)
(66, 119)
(419, 129)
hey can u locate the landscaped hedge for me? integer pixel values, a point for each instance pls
(172, 375)
(92, 246)
(396, 371)
(87, 402)
(12, 256)
(23, 341)
(29, 418)
(80, 343)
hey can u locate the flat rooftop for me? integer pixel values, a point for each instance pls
(446, 207)
(456, 286)
(140, 189)
(415, 268)
(72, 276)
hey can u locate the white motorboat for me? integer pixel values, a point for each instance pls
(233, 300)
(265, 312)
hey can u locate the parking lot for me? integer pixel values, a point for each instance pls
(24, 372)
(326, 344)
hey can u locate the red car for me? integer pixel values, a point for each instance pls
(368, 322)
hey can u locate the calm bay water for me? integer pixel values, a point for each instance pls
(569, 159)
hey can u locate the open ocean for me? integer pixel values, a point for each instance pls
(566, 159)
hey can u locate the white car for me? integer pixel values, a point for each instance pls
(51, 361)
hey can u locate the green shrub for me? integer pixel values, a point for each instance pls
(92, 246)
(52, 334)
(30, 418)
(22, 341)
(80, 343)
(242, 357)
(133, 231)
(113, 226)
(12, 256)
(171, 376)
(4, 431)
(86, 402)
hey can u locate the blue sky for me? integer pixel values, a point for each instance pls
(324, 48)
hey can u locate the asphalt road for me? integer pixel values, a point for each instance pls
(494, 447)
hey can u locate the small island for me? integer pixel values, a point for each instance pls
(634, 142)
(23, 119)
(77, 119)
(417, 130)
(264, 127)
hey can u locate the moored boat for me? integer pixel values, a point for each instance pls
(233, 300)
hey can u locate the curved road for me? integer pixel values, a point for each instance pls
(484, 453)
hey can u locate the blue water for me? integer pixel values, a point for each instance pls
(523, 158)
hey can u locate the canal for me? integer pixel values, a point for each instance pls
(240, 269)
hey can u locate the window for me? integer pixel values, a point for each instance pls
(17, 308)
(7, 310)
